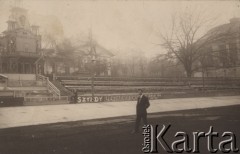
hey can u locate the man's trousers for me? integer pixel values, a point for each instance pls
(139, 117)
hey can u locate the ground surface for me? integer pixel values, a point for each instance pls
(47, 114)
(112, 135)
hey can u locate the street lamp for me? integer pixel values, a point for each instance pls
(93, 74)
(93, 54)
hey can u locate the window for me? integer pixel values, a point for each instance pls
(233, 53)
(26, 47)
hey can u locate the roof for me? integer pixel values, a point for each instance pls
(232, 27)
(100, 50)
(103, 51)
(221, 32)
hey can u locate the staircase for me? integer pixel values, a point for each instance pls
(63, 91)
(50, 86)
(36, 91)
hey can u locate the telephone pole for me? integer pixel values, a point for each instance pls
(93, 56)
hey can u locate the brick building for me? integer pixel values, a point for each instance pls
(224, 50)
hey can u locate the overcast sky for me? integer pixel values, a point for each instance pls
(123, 26)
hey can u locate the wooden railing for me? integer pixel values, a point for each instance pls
(51, 87)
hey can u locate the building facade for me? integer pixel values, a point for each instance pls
(223, 59)
(20, 45)
(80, 62)
(21, 52)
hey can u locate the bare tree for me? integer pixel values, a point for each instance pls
(205, 58)
(49, 41)
(163, 66)
(116, 66)
(184, 41)
(142, 62)
(66, 48)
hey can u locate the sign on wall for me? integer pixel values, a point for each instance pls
(89, 99)
(113, 98)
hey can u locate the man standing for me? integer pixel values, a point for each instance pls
(141, 109)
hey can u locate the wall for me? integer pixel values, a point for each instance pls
(229, 72)
(24, 42)
(21, 76)
(113, 98)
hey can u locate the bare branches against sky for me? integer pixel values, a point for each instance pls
(123, 26)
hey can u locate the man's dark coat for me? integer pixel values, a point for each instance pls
(142, 105)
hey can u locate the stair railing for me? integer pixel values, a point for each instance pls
(51, 87)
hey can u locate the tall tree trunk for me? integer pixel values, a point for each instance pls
(189, 73)
(188, 69)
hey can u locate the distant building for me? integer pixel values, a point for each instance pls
(80, 62)
(102, 59)
(224, 50)
(21, 52)
(20, 45)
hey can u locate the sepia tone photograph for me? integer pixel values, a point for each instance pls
(119, 76)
